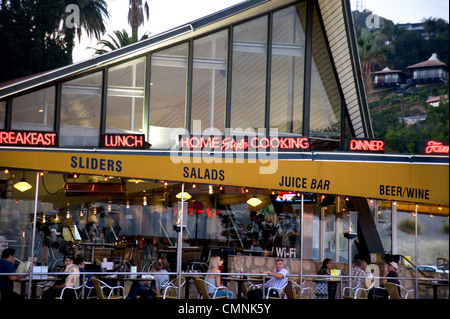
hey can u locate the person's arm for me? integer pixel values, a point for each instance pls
(16, 277)
(277, 275)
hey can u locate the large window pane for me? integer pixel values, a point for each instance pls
(167, 95)
(286, 96)
(81, 111)
(2, 114)
(16, 213)
(125, 103)
(209, 81)
(249, 74)
(325, 97)
(34, 111)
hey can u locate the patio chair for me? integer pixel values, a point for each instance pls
(279, 290)
(75, 291)
(349, 292)
(202, 289)
(363, 291)
(170, 289)
(295, 291)
(98, 288)
(395, 291)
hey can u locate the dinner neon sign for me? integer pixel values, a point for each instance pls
(365, 145)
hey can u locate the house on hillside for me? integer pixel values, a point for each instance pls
(430, 71)
(388, 78)
(435, 100)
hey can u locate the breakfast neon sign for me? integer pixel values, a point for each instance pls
(28, 138)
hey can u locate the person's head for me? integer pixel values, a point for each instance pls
(9, 254)
(279, 264)
(253, 216)
(215, 262)
(68, 260)
(327, 263)
(358, 263)
(164, 262)
(392, 266)
(157, 266)
(80, 262)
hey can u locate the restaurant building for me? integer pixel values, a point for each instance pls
(257, 108)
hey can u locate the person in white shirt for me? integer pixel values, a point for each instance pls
(277, 281)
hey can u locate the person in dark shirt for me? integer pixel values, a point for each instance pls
(7, 281)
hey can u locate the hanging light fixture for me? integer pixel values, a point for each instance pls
(185, 195)
(254, 201)
(23, 185)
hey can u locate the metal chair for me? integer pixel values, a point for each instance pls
(201, 263)
(202, 289)
(363, 292)
(349, 292)
(170, 289)
(98, 288)
(76, 291)
(295, 291)
(395, 291)
(280, 292)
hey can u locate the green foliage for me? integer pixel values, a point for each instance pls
(399, 137)
(34, 37)
(407, 225)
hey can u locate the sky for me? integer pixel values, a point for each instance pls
(166, 15)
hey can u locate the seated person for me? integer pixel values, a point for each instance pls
(277, 280)
(392, 275)
(80, 262)
(214, 280)
(7, 281)
(150, 288)
(55, 290)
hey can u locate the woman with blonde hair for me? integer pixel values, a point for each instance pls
(213, 281)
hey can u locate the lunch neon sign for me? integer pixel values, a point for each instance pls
(243, 143)
(131, 141)
(28, 138)
(365, 145)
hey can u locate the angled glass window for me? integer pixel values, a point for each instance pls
(125, 104)
(167, 95)
(2, 114)
(249, 74)
(34, 111)
(209, 82)
(288, 47)
(81, 111)
(325, 98)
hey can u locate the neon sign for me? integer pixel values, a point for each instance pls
(28, 138)
(130, 141)
(243, 143)
(433, 147)
(365, 145)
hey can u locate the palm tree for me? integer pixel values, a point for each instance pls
(120, 40)
(136, 14)
(370, 52)
(92, 20)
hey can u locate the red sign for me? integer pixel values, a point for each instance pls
(365, 145)
(131, 141)
(243, 143)
(28, 138)
(434, 147)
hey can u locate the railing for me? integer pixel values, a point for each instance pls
(263, 277)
